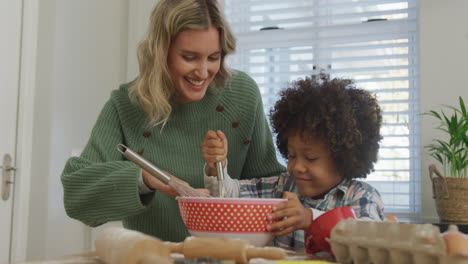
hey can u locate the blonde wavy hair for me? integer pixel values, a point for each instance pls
(154, 89)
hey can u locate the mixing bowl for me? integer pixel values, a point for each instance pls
(233, 218)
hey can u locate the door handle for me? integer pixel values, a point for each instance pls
(6, 169)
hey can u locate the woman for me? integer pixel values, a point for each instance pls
(183, 90)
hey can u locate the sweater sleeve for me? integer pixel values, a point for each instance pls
(100, 186)
(261, 158)
(212, 183)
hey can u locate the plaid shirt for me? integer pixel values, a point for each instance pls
(362, 197)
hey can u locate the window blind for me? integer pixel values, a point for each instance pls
(374, 42)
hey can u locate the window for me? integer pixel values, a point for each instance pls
(374, 42)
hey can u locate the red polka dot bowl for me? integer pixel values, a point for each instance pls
(233, 218)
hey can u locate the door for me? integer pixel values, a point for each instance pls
(10, 47)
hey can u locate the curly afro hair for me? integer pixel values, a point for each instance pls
(347, 118)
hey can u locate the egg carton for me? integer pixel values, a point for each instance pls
(366, 242)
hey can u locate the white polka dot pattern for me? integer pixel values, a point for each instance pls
(225, 216)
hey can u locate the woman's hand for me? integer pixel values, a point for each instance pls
(214, 149)
(156, 184)
(292, 215)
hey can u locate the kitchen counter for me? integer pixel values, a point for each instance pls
(92, 258)
(85, 258)
(462, 227)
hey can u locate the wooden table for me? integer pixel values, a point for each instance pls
(85, 258)
(92, 258)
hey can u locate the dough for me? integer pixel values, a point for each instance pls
(116, 245)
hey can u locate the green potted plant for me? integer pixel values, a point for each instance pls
(450, 189)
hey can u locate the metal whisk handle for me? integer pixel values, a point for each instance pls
(220, 176)
(144, 163)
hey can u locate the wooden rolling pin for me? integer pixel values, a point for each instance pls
(229, 249)
(116, 245)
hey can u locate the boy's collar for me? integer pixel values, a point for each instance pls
(342, 187)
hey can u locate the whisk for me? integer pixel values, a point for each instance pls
(180, 188)
(220, 176)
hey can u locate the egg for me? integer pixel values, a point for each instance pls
(391, 218)
(455, 241)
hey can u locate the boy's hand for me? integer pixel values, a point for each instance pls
(214, 149)
(292, 215)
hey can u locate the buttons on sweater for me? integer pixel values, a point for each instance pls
(234, 124)
(147, 133)
(141, 151)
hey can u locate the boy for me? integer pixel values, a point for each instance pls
(329, 131)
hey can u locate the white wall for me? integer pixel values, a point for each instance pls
(87, 48)
(37, 227)
(443, 70)
(82, 57)
(139, 13)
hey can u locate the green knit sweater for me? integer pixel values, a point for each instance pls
(101, 186)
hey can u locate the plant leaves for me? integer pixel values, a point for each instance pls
(462, 106)
(453, 153)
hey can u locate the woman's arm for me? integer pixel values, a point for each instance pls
(261, 158)
(99, 186)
